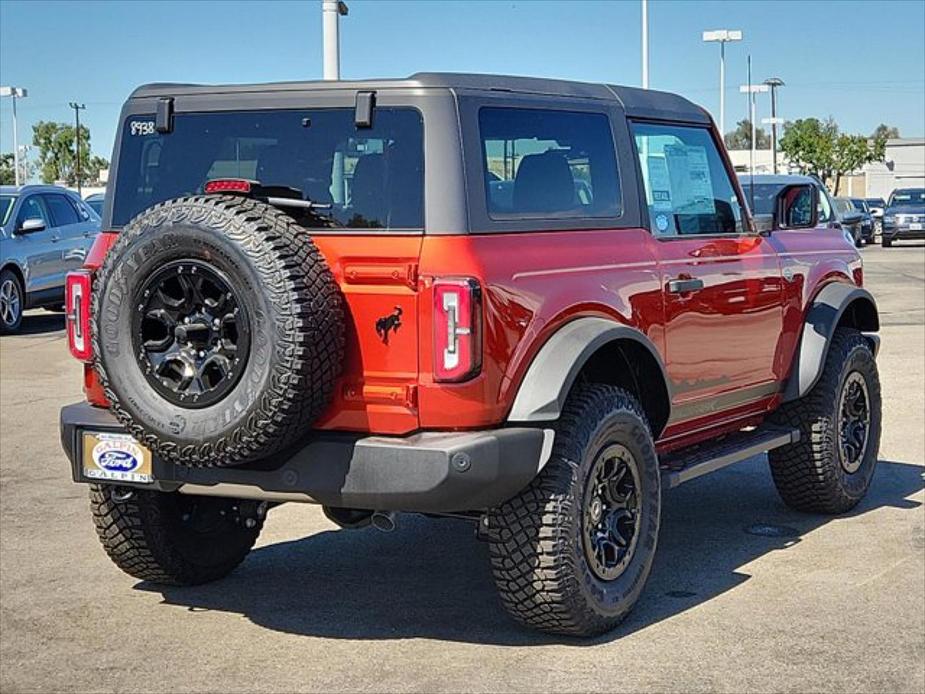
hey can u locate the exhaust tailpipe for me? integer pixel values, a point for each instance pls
(384, 521)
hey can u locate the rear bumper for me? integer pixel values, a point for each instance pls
(427, 472)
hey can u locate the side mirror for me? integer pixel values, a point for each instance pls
(852, 218)
(32, 225)
(796, 207)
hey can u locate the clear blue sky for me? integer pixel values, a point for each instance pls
(861, 62)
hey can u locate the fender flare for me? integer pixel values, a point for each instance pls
(822, 318)
(547, 383)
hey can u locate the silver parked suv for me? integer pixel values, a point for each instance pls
(45, 232)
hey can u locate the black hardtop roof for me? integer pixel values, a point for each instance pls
(642, 103)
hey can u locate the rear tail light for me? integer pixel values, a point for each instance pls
(457, 329)
(77, 305)
(227, 185)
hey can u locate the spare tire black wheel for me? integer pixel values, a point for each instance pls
(218, 330)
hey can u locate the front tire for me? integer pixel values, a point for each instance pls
(571, 553)
(12, 298)
(830, 468)
(171, 538)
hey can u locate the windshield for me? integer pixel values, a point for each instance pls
(909, 196)
(763, 195)
(6, 206)
(859, 205)
(361, 178)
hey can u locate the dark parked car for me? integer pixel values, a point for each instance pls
(850, 219)
(96, 202)
(904, 216)
(876, 210)
(45, 232)
(867, 219)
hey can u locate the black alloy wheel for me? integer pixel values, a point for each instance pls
(853, 422)
(191, 333)
(611, 512)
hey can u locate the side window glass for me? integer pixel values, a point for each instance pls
(688, 190)
(33, 208)
(825, 208)
(62, 211)
(540, 163)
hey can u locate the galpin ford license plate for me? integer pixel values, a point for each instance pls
(117, 457)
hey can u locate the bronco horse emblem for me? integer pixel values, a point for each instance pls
(387, 323)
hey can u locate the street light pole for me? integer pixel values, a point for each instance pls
(77, 109)
(645, 44)
(751, 90)
(722, 36)
(331, 12)
(774, 83)
(15, 93)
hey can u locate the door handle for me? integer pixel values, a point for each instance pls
(683, 286)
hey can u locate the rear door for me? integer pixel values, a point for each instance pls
(72, 230)
(721, 282)
(366, 183)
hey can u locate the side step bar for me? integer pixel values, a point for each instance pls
(687, 465)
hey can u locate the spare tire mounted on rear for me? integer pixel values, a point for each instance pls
(218, 330)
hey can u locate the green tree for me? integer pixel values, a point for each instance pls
(741, 137)
(886, 132)
(7, 175)
(93, 169)
(819, 148)
(55, 143)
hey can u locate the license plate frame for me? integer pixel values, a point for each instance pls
(916, 226)
(115, 457)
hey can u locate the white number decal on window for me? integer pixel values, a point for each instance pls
(142, 127)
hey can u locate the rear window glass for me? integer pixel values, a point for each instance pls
(548, 164)
(62, 211)
(361, 178)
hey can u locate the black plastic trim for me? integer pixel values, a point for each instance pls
(434, 472)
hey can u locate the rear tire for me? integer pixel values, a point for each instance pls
(829, 469)
(171, 538)
(555, 552)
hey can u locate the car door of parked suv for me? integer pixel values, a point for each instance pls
(73, 227)
(722, 282)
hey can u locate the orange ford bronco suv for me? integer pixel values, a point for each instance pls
(531, 303)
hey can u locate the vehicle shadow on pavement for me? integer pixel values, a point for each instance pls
(430, 578)
(41, 323)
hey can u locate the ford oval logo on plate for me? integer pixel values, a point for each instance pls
(116, 457)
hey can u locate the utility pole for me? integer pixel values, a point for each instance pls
(773, 83)
(645, 44)
(331, 12)
(722, 36)
(77, 109)
(15, 93)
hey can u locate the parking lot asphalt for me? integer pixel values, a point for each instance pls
(820, 603)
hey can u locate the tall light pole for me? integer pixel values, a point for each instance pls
(751, 90)
(774, 83)
(645, 44)
(15, 93)
(722, 36)
(331, 12)
(77, 109)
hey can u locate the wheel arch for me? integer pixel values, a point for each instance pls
(595, 350)
(837, 305)
(16, 270)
